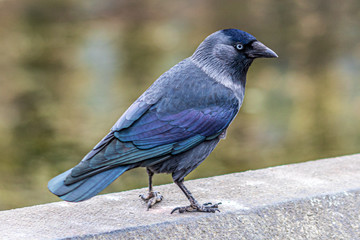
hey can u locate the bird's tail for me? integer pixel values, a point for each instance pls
(86, 188)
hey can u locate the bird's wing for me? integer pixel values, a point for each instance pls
(155, 129)
(155, 134)
(133, 113)
(153, 137)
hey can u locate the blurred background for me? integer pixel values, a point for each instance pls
(69, 69)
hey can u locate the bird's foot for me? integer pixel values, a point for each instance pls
(206, 207)
(151, 198)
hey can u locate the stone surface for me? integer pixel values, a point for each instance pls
(312, 200)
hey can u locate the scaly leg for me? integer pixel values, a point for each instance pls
(194, 205)
(151, 198)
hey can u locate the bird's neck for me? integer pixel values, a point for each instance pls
(229, 76)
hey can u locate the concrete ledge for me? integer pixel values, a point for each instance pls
(312, 200)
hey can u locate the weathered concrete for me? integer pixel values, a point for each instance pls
(312, 200)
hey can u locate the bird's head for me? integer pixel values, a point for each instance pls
(231, 52)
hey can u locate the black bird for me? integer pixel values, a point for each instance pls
(175, 124)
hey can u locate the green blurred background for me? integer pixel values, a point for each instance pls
(69, 69)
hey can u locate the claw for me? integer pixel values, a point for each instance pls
(175, 209)
(206, 207)
(151, 198)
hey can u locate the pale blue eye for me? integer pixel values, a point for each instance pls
(239, 46)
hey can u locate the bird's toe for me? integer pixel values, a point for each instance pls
(206, 207)
(151, 198)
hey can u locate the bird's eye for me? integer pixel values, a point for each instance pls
(239, 46)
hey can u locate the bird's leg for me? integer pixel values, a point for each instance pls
(151, 198)
(194, 205)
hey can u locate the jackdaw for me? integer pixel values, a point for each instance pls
(174, 125)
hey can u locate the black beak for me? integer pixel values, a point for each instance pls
(259, 50)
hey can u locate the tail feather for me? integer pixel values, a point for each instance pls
(86, 188)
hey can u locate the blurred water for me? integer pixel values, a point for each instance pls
(70, 69)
